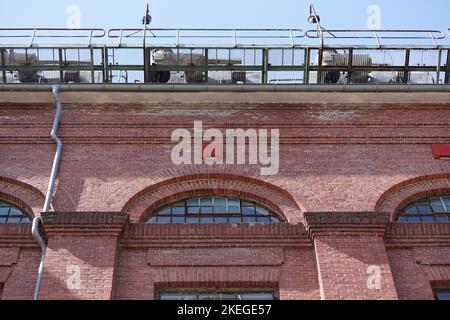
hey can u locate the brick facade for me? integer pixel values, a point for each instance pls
(348, 162)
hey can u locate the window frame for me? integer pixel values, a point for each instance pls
(214, 291)
(437, 291)
(429, 213)
(193, 211)
(23, 217)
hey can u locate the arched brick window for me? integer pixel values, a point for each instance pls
(10, 213)
(213, 210)
(432, 209)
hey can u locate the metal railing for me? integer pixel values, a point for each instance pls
(380, 35)
(34, 34)
(222, 56)
(209, 38)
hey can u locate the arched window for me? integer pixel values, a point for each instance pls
(213, 210)
(435, 209)
(12, 214)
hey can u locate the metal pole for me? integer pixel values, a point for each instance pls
(2, 60)
(447, 72)
(92, 65)
(320, 35)
(438, 69)
(61, 72)
(106, 78)
(406, 72)
(350, 65)
(207, 65)
(265, 66)
(147, 76)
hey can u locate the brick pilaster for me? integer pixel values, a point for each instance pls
(81, 255)
(350, 254)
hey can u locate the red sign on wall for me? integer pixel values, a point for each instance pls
(441, 151)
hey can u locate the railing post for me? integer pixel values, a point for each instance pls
(406, 71)
(207, 65)
(292, 38)
(147, 76)
(2, 60)
(434, 39)
(447, 71)
(306, 66)
(32, 38)
(265, 65)
(105, 65)
(377, 39)
(90, 37)
(120, 38)
(61, 71)
(92, 65)
(350, 65)
(438, 68)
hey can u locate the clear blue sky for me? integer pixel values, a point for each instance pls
(226, 14)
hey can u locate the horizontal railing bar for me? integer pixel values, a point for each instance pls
(100, 32)
(378, 68)
(55, 68)
(225, 68)
(332, 34)
(269, 47)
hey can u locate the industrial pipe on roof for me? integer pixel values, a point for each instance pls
(37, 227)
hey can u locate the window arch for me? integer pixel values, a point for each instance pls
(9, 213)
(432, 209)
(213, 210)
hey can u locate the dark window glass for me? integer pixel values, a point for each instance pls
(442, 294)
(12, 214)
(435, 209)
(218, 296)
(213, 210)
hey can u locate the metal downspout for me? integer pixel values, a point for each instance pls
(37, 228)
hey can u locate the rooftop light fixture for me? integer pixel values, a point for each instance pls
(313, 17)
(147, 19)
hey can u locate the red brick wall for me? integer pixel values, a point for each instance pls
(121, 151)
(295, 279)
(158, 257)
(349, 156)
(22, 277)
(419, 257)
(410, 280)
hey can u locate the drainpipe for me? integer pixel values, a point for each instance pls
(37, 228)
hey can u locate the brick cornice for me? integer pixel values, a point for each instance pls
(346, 223)
(418, 235)
(84, 223)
